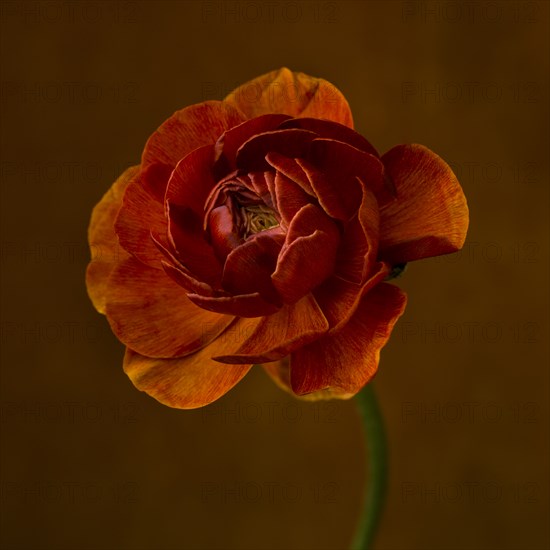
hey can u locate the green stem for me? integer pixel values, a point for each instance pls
(375, 438)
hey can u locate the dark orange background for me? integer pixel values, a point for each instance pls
(88, 462)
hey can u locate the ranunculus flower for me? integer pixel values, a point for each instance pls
(260, 230)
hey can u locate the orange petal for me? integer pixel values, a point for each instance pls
(279, 334)
(291, 93)
(429, 217)
(279, 372)
(151, 313)
(104, 247)
(346, 360)
(185, 382)
(140, 214)
(186, 130)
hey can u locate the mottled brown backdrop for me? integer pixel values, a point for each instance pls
(90, 463)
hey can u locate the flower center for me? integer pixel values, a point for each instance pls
(256, 218)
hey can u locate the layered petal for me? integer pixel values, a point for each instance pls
(344, 361)
(104, 246)
(185, 382)
(308, 255)
(187, 236)
(291, 93)
(152, 315)
(332, 130)
(359, 244)
(230, 142)
(290, 143)
(242, 305)
(275, 336)
(139, 215)
(429, 217)
(339, 298)
(249, 267)
(184, 131)
(192, 180)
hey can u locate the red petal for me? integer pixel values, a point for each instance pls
(430, 215)
(151, 313)
(308, 256)
(186, 281)
(185, 382)
(335, 157)
(279, 334)
(359, 243)
(140, 214)
(347, 359)
(184, 131)
(193, 251)
(289, 197)
(332, 130)
(295, 94)
(290, 143)
(244, 305)
(229, 143)
(291, 169)
(191, 181)
(249, 267)
(105, 250)
(339, 298)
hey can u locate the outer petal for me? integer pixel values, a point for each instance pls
(278, 335)
(151, 313)
(139, 215)
(185, 382)
(104, 247)
(184, 131)
(346, 360)
(430, 215)
(279, 372)
(291, 93)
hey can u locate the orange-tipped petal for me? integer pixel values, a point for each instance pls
(344, 361)
(104, 247)
(278, 335)
(185, 382)
(151, 313)
(429, 217)
(291, 93)
(186, 130)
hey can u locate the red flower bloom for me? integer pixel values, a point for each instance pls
(260, 229)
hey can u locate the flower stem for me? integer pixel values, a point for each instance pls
(375, 439)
